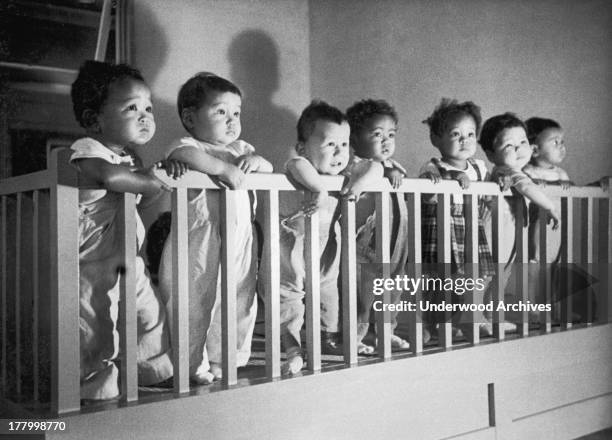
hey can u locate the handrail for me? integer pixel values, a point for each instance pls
(280, 182)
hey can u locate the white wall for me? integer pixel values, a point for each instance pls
(534, 57)
(260, 45)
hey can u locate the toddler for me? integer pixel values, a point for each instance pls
(373, 129)
(113, 104)
(547, 141)
(504, 140)
(453, 130)
(209, 108)
(323, 149)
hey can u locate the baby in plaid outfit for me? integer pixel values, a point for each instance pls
(453, 130)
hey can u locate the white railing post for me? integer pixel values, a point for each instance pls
(445, 333)
(470, 206)
(270, 273)
(414, 265)
(312, 259)
(383, 257)
(228, 287)
(349, 282)
(521, 262)
(586, 205)
(180, 291)
(64, 258)
(497, 232)
(128, 340)
(567, 258)
(545, 285)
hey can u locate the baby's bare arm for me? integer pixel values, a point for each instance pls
(203, 162)
(120, 178)
(363, 174)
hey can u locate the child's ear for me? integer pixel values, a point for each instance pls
(300, 148)
(90, 120)
(434, 139)
(187, 117)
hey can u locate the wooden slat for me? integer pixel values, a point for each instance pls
(567, 258)
(445, 332)
(264, 181)
(544, 274)
(3, 292)
(521, 264)
(25, 183)
(313, 291)
(127, 301)
(103, 30)
(498, 287)
(383, 257)
(271, 285)
(586, 211)
(35, 292)
(180, 291)
(470, 206)
(605, 260)
(18, 296)
(349, 283)
(64, 259)
(414, 266)
(228, 288)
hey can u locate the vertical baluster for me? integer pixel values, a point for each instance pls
(607, 310)
(127, 300)
(383, 237)
(313, 291)
(35, 293)
(545, 285)
(349, 282)
(271, 276)
(414, 270)
(18, 222)
(522, 263)
(586, 205)
(228, 287)
(180, 291)
(497, 230)
(64, 258)
(445, 330)
(567, 258)
(3, 272)
(470, 206)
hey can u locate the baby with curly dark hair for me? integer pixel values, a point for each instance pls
(453, 130)
(113, 104)
(373, 130)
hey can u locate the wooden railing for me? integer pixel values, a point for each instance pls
(591, 216)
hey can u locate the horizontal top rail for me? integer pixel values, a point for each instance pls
(264, 181)
(271, 181)
(27, 182)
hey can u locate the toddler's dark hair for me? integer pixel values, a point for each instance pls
(495, 125)
(156, 238)
(197, 88)
(90, 89)
(359, 113)
(317, 110)
(535, 126)
(449, 110)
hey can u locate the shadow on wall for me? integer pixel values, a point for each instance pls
(254, 63)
